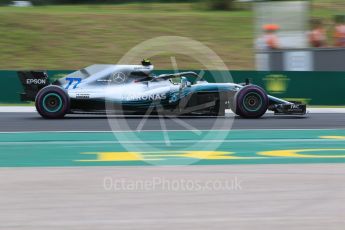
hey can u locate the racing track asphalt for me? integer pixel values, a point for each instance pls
(12, 122)
(263, 197)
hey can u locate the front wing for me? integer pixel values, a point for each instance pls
(289, 109)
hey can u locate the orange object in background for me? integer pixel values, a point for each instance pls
(271, 27)
(270, 38)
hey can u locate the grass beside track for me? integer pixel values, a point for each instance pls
(69, 37)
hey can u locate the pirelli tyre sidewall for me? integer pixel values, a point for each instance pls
(251, 102)
(52, 102)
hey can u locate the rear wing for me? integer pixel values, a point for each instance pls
(32, 82)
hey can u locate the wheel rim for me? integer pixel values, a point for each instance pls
(52, 102)
(252, 102)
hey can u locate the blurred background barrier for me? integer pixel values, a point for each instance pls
(289, 36)
(307, 59)
(313, 88)
(291, 18)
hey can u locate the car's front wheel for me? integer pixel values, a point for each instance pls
(52, 102)
(250, 102)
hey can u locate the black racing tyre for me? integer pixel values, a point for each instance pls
(52, 102)
(251, 102)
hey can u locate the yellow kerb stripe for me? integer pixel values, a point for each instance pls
(296, 153)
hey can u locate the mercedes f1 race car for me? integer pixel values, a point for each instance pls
(134, 89)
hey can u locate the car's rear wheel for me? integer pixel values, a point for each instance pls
(250, 102)
(52, 102)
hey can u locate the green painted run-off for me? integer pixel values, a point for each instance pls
(68, 148)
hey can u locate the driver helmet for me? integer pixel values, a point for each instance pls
(146, 62)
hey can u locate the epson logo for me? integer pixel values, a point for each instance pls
(36, 81)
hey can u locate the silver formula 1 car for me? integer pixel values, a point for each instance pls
(134, 89)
